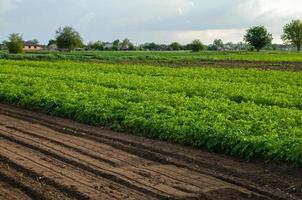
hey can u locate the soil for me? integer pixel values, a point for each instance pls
(44, 157)
(243, 64)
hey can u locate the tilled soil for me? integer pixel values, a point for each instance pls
(43, 157)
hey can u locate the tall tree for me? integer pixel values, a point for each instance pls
(125, 44)
(35, 41)
(218, 43)
(258, 37)
(15, 43)
(68, 38)
(293, 34)
(51, 42)
(116, 45)
(175, 46)
(196, 46)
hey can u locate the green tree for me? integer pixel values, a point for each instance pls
(98, 45)
(293, 34)
(35, 41)
(68, 38)
(131, 47)
(175, 46)
(15, 43)
(196, 46)
(127, 45)
(258, 37)
(51, 42)
(218, 43)
(116, 45)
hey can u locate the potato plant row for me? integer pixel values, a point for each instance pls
(247, 113)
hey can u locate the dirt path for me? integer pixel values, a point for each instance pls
(43, 157)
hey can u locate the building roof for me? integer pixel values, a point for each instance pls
(30, 43)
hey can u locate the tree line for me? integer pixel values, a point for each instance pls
(256, 38)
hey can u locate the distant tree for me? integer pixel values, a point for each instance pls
(218, 43)
(35, 41)
(196, 46)
(116, 45)
(51, 42)
(258, 37)
(127, 45)
(98, 46)
(150, 46)
(153, 46)
(293, 34)
(131, 47)
(15, 43)
(175, 46)
(68, 38)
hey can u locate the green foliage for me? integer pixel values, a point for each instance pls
(258, 37)
(218, 43)
(175, 58)
(51, 42)
(293, 33)
(127, 45)
(116, 45)
(196, 46)
(247, 113)
(15, 43)
(175, 46)
(98, 46)
(68, 39)
(34, 41)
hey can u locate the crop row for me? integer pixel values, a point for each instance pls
(165, 57)
(246, 113)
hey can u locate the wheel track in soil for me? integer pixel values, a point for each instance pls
(139, 170)
(20, 141)
(132, 164)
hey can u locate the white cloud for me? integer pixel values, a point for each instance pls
(206, 36)
(255, 9)
(147, 20)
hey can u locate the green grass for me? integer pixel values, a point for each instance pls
(247, 113)
(267, 56)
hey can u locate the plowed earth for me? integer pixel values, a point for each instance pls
(43, 157)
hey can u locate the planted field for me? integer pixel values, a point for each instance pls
(44, 157)
(265, 60)
(246, 113)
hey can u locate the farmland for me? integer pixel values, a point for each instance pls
(249, 114)
(265, 60)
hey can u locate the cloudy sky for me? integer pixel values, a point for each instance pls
(161, 21)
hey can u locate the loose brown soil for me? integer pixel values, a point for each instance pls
(260, 65)
(43, 157)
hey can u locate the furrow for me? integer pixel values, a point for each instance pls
(152, 169)
(88, 168)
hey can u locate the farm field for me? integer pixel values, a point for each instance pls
(44, 157)
(249, 114)
(265, 59)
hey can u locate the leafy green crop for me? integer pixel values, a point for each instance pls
(163, 57)
(247, 113)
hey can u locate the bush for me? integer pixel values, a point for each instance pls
(15, 43)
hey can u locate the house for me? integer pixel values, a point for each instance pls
(30, 46)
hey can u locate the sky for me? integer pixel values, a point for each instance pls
(160, 21)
